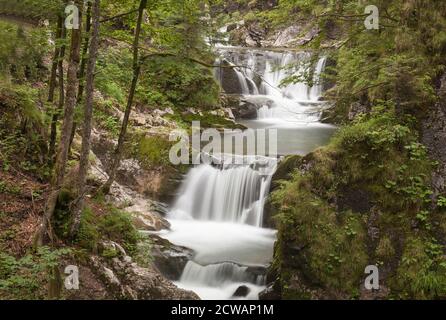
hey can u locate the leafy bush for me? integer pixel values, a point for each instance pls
(21, 52)
(115, 225)
(178, 82)
(27, 277)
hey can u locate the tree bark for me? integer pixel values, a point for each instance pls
(88, 115)
(84, 60)
(59, 109)
(62, 154)
(53, 77)
(136, 71)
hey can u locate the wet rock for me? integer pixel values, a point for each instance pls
(434, 136)
(270, 293)
(245, 108)
(355, 199)
(241, 291)
(169, 258)
(229, 79)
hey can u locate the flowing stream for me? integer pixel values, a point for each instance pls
(220, 211)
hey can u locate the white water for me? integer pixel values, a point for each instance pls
(219, 213)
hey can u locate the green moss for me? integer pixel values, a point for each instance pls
(332, 250)
(422, 271)
(376, 162)
(150, 151)
(88, 235)
(385, 250)
(207, 120)
(117, 226)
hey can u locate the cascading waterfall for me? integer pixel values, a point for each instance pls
(221, 209)
(264, 75)
(219, 213)
(231, 193)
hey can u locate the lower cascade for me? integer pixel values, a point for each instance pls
(220, 215)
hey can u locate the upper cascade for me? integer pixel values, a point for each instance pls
(255, 72)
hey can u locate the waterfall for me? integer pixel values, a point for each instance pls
(219, 213)
(232, 193)
(264, 75)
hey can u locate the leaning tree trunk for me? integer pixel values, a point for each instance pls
(84, 60)
(88, 115)
(59, 109)
(136, 71)
(62, 154)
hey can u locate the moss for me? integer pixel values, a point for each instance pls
(114, 225)
(151, 151)
(117, 226)
(207, 120)
(422, 272)
(385, 250)
(323, 238)
(330, 248)
(88, 235)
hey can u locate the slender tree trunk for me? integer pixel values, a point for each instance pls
(88, 115)
(53, 77)
(136, 71)
(59, 109)
(83, 66)
(62, 154)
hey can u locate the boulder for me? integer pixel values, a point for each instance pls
(241, 291)
(169, 258)
(229, 79)
(125, 280)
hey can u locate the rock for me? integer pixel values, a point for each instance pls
(270, 293)
(356, 109)
(126, 280)
(229, 114)
(245, 107)
(286, 36)
(229, 79)
(157, 183)
(231, 27)
(433, 137)
(256, 34)
(149, 221)
(241, 291)
(169, 258)
(355, 199)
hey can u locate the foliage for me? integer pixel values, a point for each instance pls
(26, 278)
(22, 143)
(150, 151)
(377, 155)
(21, 52)
(114, 225)
(178, 83)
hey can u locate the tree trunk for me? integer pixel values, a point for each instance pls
(88, 115)
(53, 77)
(59, 109)
(136, 71)
(62, 154)
(84, 60)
